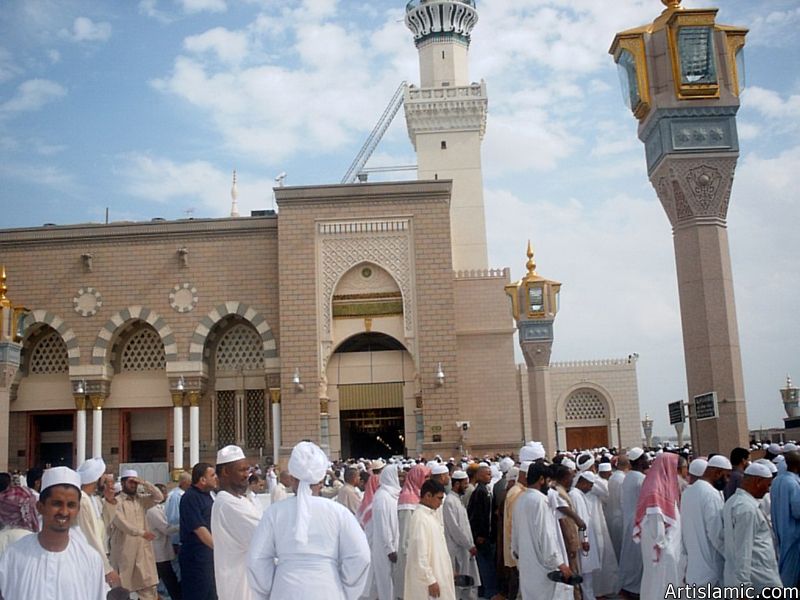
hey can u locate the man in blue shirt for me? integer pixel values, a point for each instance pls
(785, 500)
(196, 556)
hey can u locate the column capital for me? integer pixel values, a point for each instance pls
(537, 354)
(177, 399)
(275, 395)
(323, 406)
(97, 401)
(80, 401)
(193, 397)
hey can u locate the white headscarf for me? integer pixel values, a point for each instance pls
(390, 481)
(308, 464)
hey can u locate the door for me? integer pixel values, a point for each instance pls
(587, 437)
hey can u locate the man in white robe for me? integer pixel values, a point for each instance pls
(749, 549)
(614, 503)
(429, 572)
(281, 489)
(307, 546)
(234, 518)
(90, 517)
(701, 524)
(56, 563)
(385, 538)
(458, 536)
(533, 538)
(630, 560)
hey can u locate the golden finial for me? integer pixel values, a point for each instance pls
(3, 288)
(531, 264)
(788, 381)
(672, 4)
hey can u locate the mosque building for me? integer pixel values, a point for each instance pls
(363, 316)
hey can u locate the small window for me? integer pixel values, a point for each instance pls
(444, 145)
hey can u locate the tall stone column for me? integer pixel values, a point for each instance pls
(9, 364)
(97, 401)
(193, 397)
(537, 359)
(275, 402)
(177, 433)
(80, 428)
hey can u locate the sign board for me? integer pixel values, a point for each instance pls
(436, 428)
(676, 412)
(705, 406)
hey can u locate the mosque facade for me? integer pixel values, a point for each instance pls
(361, 316)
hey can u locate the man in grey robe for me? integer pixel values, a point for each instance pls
(458, 535)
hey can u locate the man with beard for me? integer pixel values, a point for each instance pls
(196, 557)
(55, 563)
(458, 535)
(701, 524)
(234, 518)
(131, 551)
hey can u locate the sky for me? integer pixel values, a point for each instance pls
(145, 108)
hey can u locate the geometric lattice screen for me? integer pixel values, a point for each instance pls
(226, 418)
(240, 348)
(585, 404)
(49, 355)
(256, 424)
(143, 352)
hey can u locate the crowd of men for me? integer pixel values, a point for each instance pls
(581, 525)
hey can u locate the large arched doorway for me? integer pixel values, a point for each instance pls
(586, 418)
(369, 372)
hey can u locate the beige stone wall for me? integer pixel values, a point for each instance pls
(488, 394)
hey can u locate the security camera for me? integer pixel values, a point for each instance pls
(463, 425)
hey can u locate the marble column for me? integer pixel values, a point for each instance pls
(194, 427)
(177, 432)
(80, 429)
(97, 401)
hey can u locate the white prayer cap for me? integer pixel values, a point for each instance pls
(772, 468)
(459, 475)
(531, 451)
(789, 447)
(60, 476)
(757, 469)
(588, 476)
(586, 463)
(506, 464)
(523, 468)
(375, 465)
(513, 473)
(308, 464)
(439, 469)
(779, 459)
(635, 453)
(568, 463)
(128, 473)
(431, 463)
(698, 466)
(775, 449)
(483, 463)
(604, 467)
(229, 454)
(719, 462)
(91, 470)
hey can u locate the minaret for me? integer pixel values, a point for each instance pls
(446, 119)
(234, 197)
(682, 75)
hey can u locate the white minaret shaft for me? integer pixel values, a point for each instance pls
(234, 197)
(446, 119)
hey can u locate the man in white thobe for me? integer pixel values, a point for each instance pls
(589, 557)
(282, 488)
(234, 518)
(630, 560)
(307, 546)
(458, 535)
(385, 538)
(533, 538)
(56, 563)
(90, 517)
(614, 503)
(701, 524)
(749, 550)
(429, 572)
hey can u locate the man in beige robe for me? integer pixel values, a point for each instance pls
(90, 517)
(429, 571)
(348, 494)
(131, 551)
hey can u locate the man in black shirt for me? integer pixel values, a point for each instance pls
(479, 511)
(196, 556)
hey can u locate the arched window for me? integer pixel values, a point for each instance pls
(240, 348)
(49, 355)
(143, 351)
(585, 404)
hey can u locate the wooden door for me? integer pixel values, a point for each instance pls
(587, 437)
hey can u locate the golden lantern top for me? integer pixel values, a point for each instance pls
(533, 297)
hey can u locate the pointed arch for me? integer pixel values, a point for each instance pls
(42, 317)
(102, 344)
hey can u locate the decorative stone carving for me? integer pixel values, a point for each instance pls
(183, 297)
(87, 302)
(444, 109)
(429, 19)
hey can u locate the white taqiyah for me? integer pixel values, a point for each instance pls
(60, 476)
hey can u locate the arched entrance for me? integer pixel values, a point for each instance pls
(586, 417)
(368, 373)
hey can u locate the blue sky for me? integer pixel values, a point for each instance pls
(146, 107)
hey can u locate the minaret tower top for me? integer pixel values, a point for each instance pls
(441, 31)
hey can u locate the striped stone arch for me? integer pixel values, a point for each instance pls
(271, 359)
(43, 317)
(102, 344)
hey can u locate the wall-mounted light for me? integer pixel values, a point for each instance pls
(86, 258)
(439, 376)
(80, 387)
(183, 256)
(181, 385)
(298, 385)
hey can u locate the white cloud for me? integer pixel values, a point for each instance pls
(198, 6)
(41, 175)
(228, 46)
(86, 30)
(54, 56)
(771, 105)
(149, 9)
(8, 68)
(776, 28)
(32, 95)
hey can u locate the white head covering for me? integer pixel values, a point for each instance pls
(789, 447)
(588, 476)
(439, 469)
(60, 476)
(775, 449)
(531, 451)
(604, 467)
(377, 464)
(308, 464)
(720, 462)
(229, 454)
(513, 473)
(390, 481)
(635, 453)
(779, 459)
(91, 470)
(459, 475)
(697, 467)
(523, 468)
(506, 464)
(587, 463)
(128, 473)
(758, 469)
(771, 466)
(568, 463)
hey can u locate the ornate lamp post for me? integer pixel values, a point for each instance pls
(791, 404)
(534, 303)
(682, 75)
(647, 426)
(10, 321)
